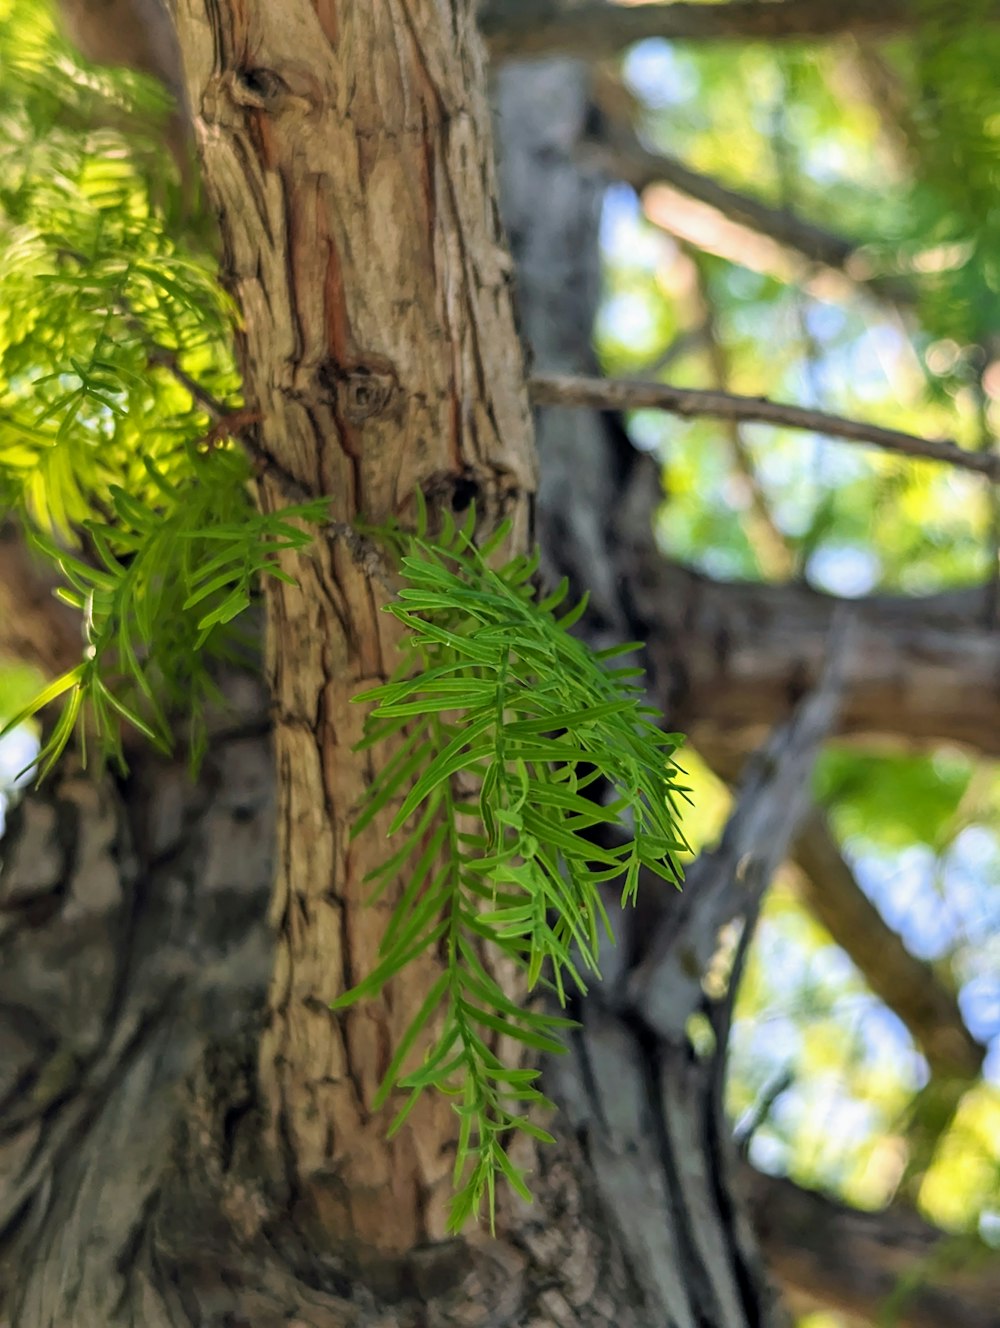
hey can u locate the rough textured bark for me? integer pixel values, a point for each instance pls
(130, 939)
(348, 152)
(134, 958)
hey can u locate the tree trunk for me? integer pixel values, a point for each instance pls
(349, 156)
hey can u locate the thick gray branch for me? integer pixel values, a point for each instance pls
(597, 30)
(728, 658)
(728, 883)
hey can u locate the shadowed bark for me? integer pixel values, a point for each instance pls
(35, 628)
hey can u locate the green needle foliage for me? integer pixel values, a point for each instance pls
(503, 723)
(159, 597)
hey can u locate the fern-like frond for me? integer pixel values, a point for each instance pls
(509, 722)
(166, 578)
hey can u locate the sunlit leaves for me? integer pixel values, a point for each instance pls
(526, 773)
(894, 799)
(93, 290)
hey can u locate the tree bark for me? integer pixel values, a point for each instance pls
(349, 155)
(130, 940)
(134, 963)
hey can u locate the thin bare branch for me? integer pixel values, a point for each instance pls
(623, 394)
(640, 167)
(597, 30)
(163, 358)
(771, 545)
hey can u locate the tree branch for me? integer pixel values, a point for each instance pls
(771, 546)
(598, 31)
(727, 659)
(860, 1264)
(909, 987)
(622, 394)
(163, 358)
(641, 168)
(729, 882)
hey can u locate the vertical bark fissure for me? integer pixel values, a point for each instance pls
(658, 1064)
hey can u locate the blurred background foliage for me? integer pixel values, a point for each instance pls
(897, 149)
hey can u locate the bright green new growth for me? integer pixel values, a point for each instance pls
(504, 722)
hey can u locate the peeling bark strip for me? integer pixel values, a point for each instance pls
(347, 149)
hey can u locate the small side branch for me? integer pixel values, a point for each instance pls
(162, 357)
(690, 403)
